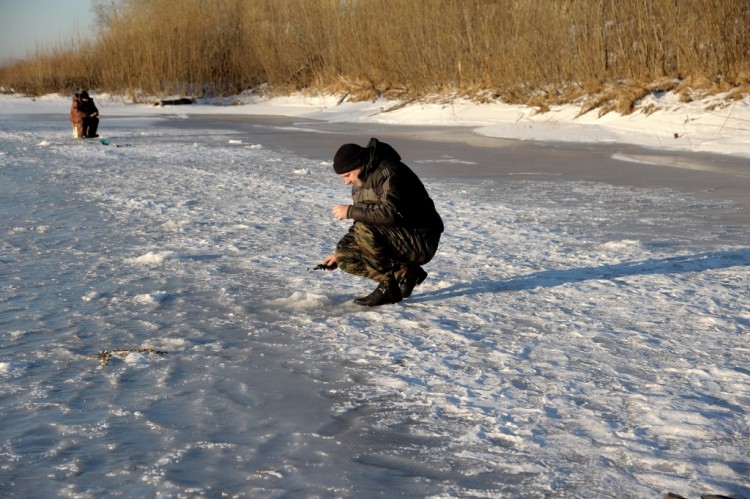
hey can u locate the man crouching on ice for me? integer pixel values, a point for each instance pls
(396, 228)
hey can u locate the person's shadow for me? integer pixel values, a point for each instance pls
(551, 278)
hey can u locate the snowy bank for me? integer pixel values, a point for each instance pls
(711, 125)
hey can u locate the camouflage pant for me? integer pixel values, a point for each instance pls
(374, 251)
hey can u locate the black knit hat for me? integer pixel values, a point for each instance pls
(349, 157)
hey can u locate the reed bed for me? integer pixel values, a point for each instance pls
(538, 52)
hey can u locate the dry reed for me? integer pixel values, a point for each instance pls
(538, 52)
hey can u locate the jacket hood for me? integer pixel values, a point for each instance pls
(379, 151)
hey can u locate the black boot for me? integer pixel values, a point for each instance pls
(413, 277)
(386, 292)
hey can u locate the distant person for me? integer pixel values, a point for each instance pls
(396, 227)
(84, 116)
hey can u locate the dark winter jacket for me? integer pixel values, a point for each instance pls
(81, 109)
(392, 194)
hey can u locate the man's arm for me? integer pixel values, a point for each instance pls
(384, 211)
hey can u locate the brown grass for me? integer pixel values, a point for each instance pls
(608, 53)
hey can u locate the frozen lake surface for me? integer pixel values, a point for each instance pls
(583, 331)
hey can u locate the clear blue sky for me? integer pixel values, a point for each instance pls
(26, 25)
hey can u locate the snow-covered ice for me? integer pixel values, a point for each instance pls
(574, 338)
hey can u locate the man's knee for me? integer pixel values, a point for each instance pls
(351, 263)
(373, 240)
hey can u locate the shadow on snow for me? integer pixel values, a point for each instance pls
(558, 277)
